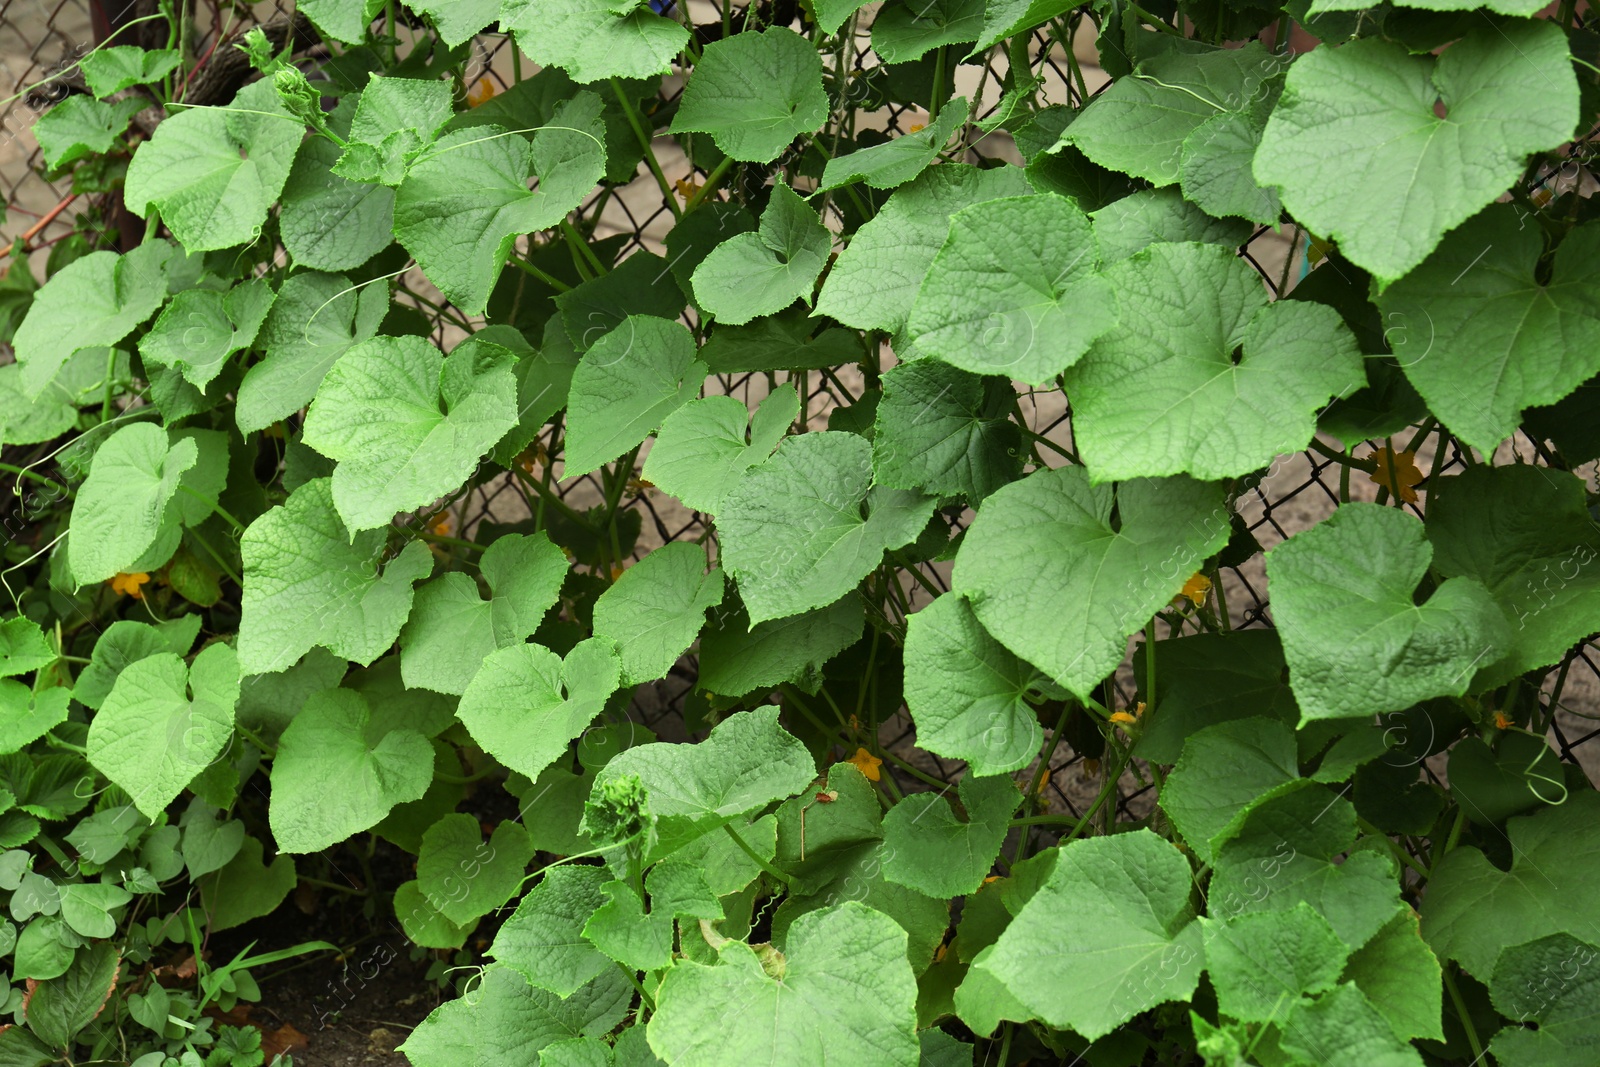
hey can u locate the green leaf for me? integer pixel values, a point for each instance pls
(163, 723)
(1224, 771)
(1284, 851)
(1401, 978)
(1015, 290)
(246, 888)
(737, 658)
(316, 319)
(875, 280)
(832, 13)
(1473, 910)
(1048, 540)
(127, 512)
(927, 848)
(458, 20)
(753, 274)
(128, 642)
(506, 1021)
(300, 555)
(1342, 1029)
(422, 922)
(543, 939)
(1500, 338)
(343, 20)
(58, 1009)
(747, 762)
(525, 704)
(110, 70)
(201, 328)
(1109, 935)
(1205, 679)
(1153, 216)
(92, 302)
(701, 451)
(841, 986)
(945, 431)
(544, 379)
(1139, 124)
(1203, 375)
(213, 173)
(590, 42)
(1006, 18)
(633, 287)
(899, 159)
(1534, 557)
(23, 647)
(465, 200)
(904, 30)
(452, 629)
(406, 425)
(1379, 171)
(333, 740)
(466, 877)
(1215, 168)
(641, 940)
(83, 126)
(967, 692)
(209, 842)
(1355, 639)
(86, 907)
(625, 386)
(269, 702)
(1264, 964)
(793, 531)
(395, 119)
(26, 716)
(1552, 983)
(328, 222)
(656, 609)
(754, 93)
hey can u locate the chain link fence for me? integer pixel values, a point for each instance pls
(39, 38)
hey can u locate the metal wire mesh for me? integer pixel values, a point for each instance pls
(39, 37)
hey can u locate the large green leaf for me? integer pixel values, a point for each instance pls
(1400, 976)
(329, 222)
(1048, 540)
(506, 1022)
(458, 20)
(747, 762)
(82, 126)
(701, 451)
(841, 991)
(407, 425)
(1265, 963)
(214, 172)
(92, 302)
(308, 582)
(1341, 1028)
(1553, 983)
(110, 70)
(526, 704)
(343, 20)
(754, 93)
(1108, 935)
(163, 723)
(465, 199)
(1474, 910)
(336, 773)
(463, 875)
(1016, 290)
(1206, 679)
(1380, 170)
(875, 280)
(452, 628)
(126, 511)
(1499, 337)
(1525, 532)
(1356, 640)
(126, 642)
(753, 274)
(927, 848)
(315, 320)
(656, 609)
(590, 41)
(904, 30)
(1133, 223)
(1140, 123)
(1201, 373)
(394, 120)
(899, 159)
(966, 692)
(737, 658)
(23, 647)
(1225, 769)
(543, 939)
(625, 386)
(201, 328)
(26, 716)
(793, 531)
(945, 431)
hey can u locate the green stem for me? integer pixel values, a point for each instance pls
(441, 539)
(712, 181)
(23, 472)
(214, 506)
(577, 243)
(1343, 458)
(1461, 1013)
(632, 114)
(941, 59)
(756, 856)
(216, 558)
(927, 779)
(528, 268)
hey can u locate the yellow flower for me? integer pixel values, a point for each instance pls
(481, 93)
(1196, 588)
(1397, 472)
(1540, 197)
(128, 584)
(440, 524)
(1501, 720)
(917, 127)
(867, 764)
(1128, 719)
(687, 188)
